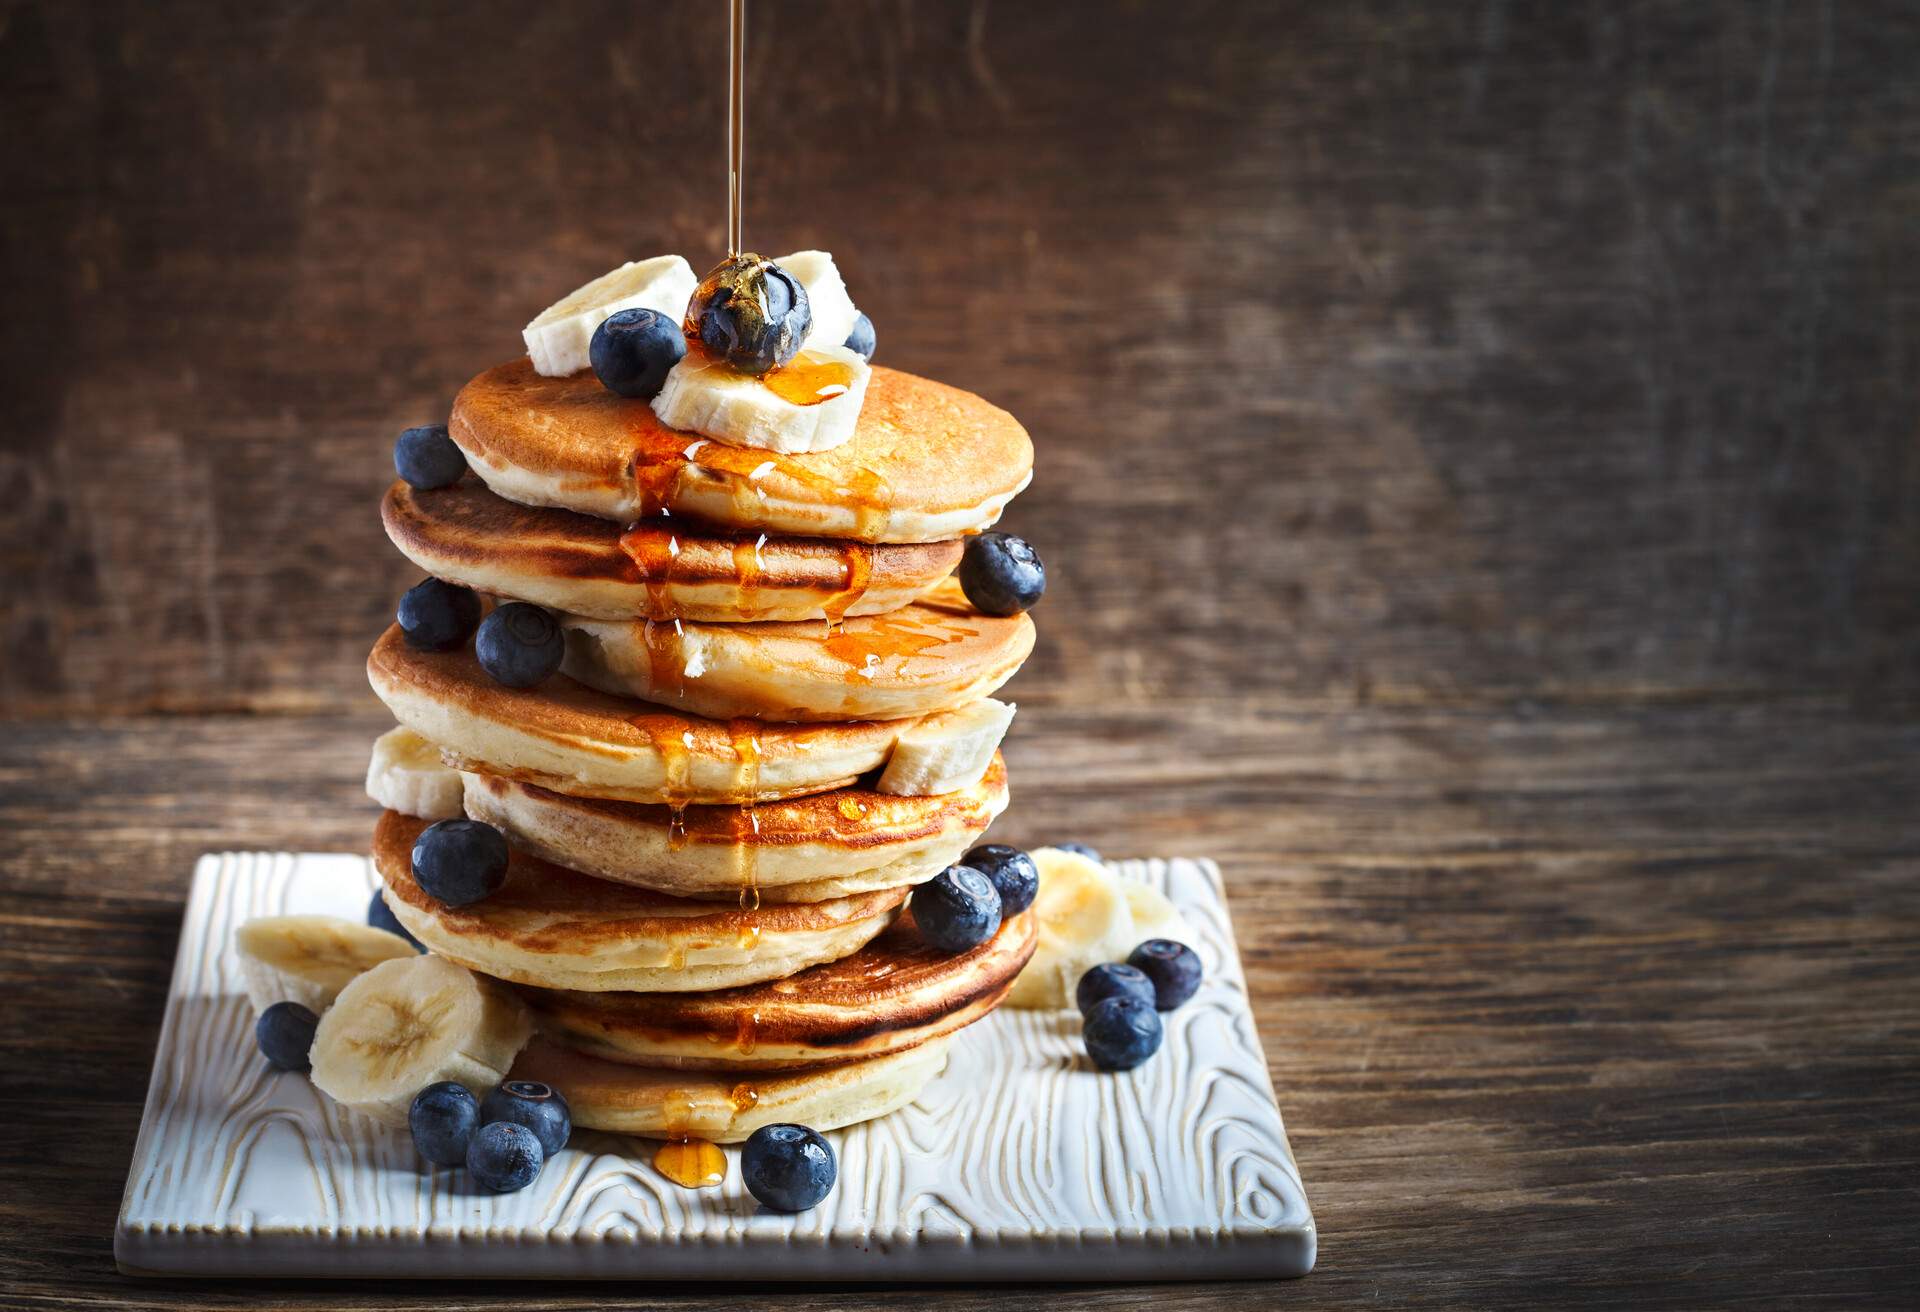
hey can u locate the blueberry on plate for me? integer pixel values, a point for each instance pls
(957, 909)
(519, 645)
(861, 340)
(438, 616)
(1001, 574)
(537, 1106)
(751, 313)
(633, 350)
(504, 1157)
(1015, 877)
(443, 1119)
(381, 916)
(426, 458)
(1111, 981)
(460, 862)
(789, 1168)
(1173, 967)
(285, 1035)
(1121, 1032)
(1079, 849)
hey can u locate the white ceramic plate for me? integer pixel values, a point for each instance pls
(1020, 1162)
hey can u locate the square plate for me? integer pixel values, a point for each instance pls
(1021, 1161)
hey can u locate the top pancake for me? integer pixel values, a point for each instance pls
(926, 461)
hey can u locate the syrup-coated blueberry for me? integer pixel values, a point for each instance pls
(427, 458)
(443, 1118)
(285, 1035)
(460, 862)
(519, 644)
(1111, 981)
(504, 1157)
(1015, 877)
(789, 1168)
(437, 616)
(381, 916)
(957, 909)
(1001, 574)
(1121, 1032)
(1173, 967)
(633, 350)
(752, 313)
(861, 340)
(537, 1106)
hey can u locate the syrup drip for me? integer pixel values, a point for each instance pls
(857, 559)
(673, 740)
(747, 568)
(743, 1095)
(746, 825)
(808, 379)
(870, 495)
(886, 637)
(654, 550)
(691, 1163)
(746, 1037)
(665, 642)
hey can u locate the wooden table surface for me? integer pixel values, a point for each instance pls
(1477, 474)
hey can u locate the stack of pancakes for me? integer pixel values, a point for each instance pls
(705, 905)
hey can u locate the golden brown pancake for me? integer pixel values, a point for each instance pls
(572, 739)
(926, 462)
(895, 992)
(657, 569)
(804, 849)
(556, 928)
(721, 1106)
(931, 656)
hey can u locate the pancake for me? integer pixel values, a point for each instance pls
(722, 1107)
(806, 849)
(926, 462)
(931, 656)
(657, 569)
(896, 992)
(572, 739)
(556, 928)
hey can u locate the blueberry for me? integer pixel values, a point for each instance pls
(1173, 967)
(1121, 1032)
(504, 1157)
(1015, 877)
(1111, 981)
(750, 312)
(459, 862)
(437, 616)
(381, 916)
(1080, 848)
(519, 645)
(957, 909)
(443, 1118)
(788, 1168)
(427, 458)
(537, 1106)
(1001, 574)
(633, 350)
(285, 1035)
(861, 340)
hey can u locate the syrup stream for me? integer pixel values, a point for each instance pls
(736, 120)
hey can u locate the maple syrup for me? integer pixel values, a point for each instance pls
(745, 735)
(736, 120)
(747, 569)
(665, 644)
(809, 378)
(654, 549)
(674, 741)
(746, 1037)
(743, 1095)
(856, 558)
(691, 1163)
(885, 637)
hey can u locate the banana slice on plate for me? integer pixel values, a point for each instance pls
(406, 774)
(1084, 921)
(309, 959)
(408, 1023)
(1153, 915)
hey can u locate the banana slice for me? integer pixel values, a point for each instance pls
(1153, 916)
(833, 310)
(309, 959)
(559, 338)
(407, 775)
(947, 752)
(705, 396)
(1084, 921)
(406, 1024)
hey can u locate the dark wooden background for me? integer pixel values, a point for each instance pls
(1477, 472)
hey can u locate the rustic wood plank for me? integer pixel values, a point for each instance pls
(1574, 1007)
